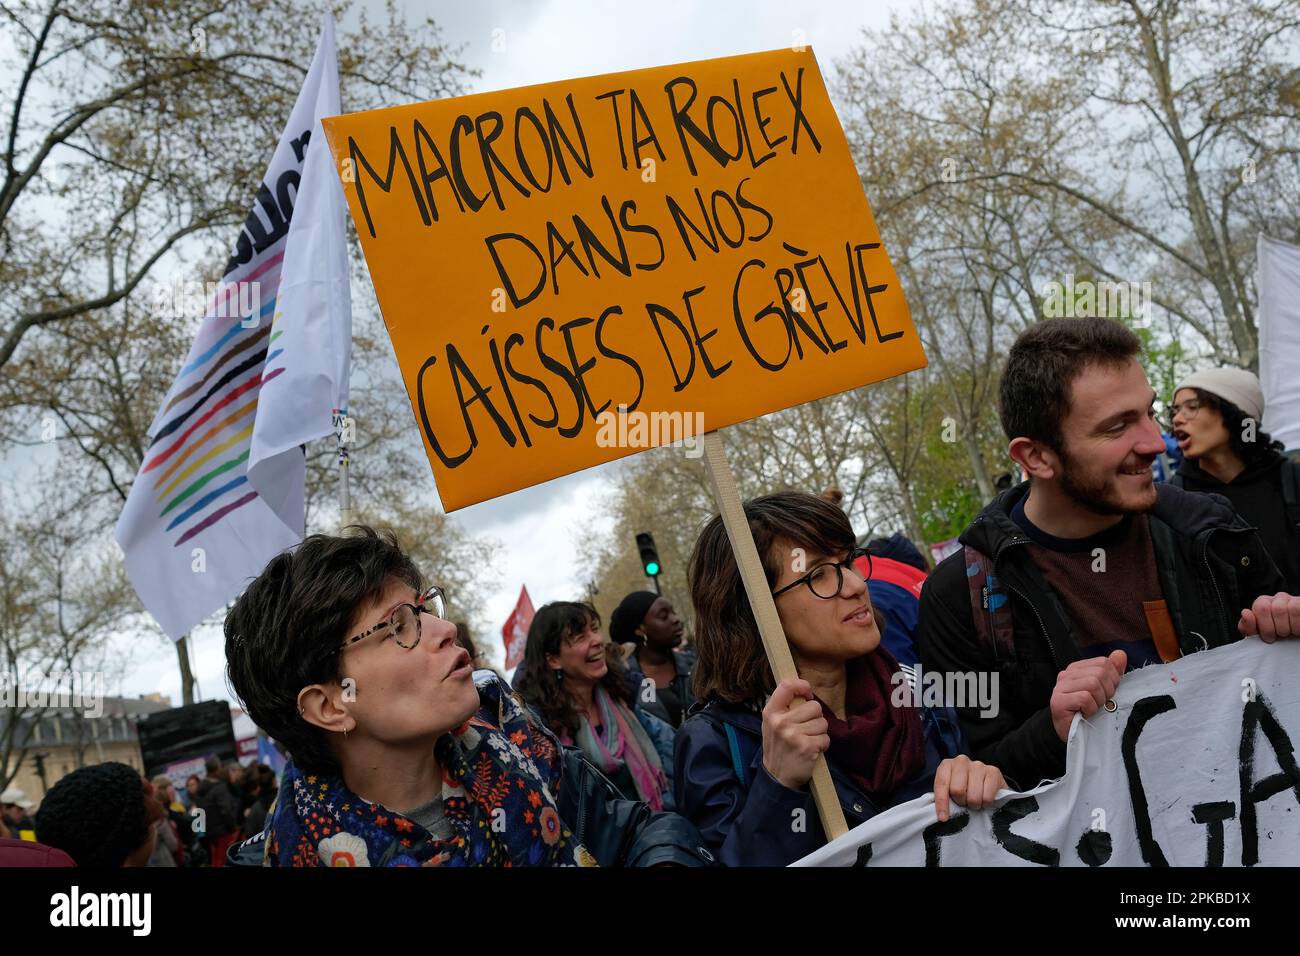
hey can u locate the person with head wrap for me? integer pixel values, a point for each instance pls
(649, 623)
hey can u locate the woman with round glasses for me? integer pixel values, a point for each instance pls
(400, 754)
(744, 758)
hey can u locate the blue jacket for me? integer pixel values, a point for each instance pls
(746, 817)
(898, 608)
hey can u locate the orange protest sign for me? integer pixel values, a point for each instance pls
(574, 271)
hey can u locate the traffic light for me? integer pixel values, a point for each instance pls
(649, 556)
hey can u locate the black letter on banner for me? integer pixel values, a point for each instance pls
(424, 419)
(655, 311)
(1143, 711)
(395, 152)
(505, 277)
(460, 371)
(769, 309)
(864, 855)
(1258, 714)
(1213, 815)
(936, 831)
(1012, 813)
(796, 101)
(685, 125)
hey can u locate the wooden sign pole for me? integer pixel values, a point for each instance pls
(769, 624)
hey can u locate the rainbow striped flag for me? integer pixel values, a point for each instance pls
(221, 489)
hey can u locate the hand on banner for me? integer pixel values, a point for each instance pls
(1271, 617)
(968, 782)
(794, 733)
(1084, 687)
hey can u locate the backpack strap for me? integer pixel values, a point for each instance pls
(990, 607)
(734, 745)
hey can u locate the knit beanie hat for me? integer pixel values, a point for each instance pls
(98, 815)
(1237, 385)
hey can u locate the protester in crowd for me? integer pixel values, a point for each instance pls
(103, 816)
(576, 680)
(167, 850)
(744, 758)
(193, 851)
(167, 794)
(16, 809)
(177, 822)
(649, 623)
(214, 797)
(262, 780)
(192, 787)
(1089, 568)
(398, 757)
(1217, 416)
(240, 788)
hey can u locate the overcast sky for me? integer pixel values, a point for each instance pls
(515, 44)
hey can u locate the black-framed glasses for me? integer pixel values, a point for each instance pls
(405, 620)
(827, 580)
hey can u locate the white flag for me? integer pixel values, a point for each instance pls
(196, 529)
(311, 334)
(1279, 338)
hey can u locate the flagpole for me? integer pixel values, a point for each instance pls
(345, 493)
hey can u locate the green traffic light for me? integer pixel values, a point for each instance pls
(652, 569)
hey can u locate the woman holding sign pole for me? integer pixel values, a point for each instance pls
(745, 756)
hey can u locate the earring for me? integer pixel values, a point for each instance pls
(559, 675)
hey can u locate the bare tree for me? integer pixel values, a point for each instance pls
(133, 126)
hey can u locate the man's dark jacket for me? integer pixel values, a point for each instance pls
(1211, 565)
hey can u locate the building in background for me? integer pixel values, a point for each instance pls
(64, 739)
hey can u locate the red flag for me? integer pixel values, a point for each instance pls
(515, 634)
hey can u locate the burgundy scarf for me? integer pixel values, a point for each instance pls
(880, 746)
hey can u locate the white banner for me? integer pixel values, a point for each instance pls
(1196, 766)
(1279, 338)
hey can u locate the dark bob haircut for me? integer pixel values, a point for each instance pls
(280, 632)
